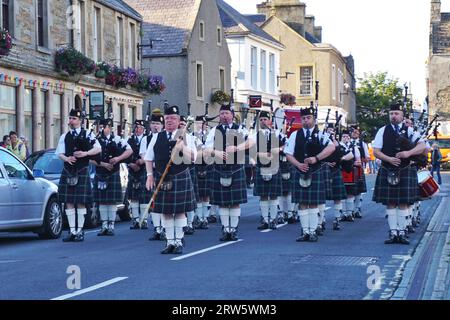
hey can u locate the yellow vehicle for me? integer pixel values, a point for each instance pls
(443, 141)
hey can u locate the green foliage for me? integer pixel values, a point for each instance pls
(373, 97)
(220, 97)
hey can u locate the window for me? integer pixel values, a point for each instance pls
(219, 36)
(13, 167)
(253, 68)
(42, 23)
(340, 84)
(5, 22)
(7, 108)
(43, 102)
(80, 28)
(132, 46)
(306, 81)
(56, 110)
(28, 107)
(119, 41)
(131, 116)
(222, 79)
(272, 73)
(97, 33)
(262, 71)
(333, 82)
(201, 30)
(200, 80)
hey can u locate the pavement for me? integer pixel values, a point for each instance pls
(351, 264)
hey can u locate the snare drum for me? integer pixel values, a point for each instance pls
(427, 185)
(349, 177)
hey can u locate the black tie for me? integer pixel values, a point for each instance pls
(308, 134)
(170, 136)
(74, 133)
(397, 129)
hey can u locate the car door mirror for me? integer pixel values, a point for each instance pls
(38, 173)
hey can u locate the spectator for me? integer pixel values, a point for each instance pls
(17, 147)
(25, 143)
(436, 157)
(372, 163)
(6, 141)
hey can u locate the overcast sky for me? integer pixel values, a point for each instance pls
(383, 35)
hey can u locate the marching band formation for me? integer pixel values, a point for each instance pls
(185, 177)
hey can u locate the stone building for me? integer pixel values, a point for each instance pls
(34, 98)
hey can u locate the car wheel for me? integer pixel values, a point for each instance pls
(124, 213)
(53, 220)
(92, 217)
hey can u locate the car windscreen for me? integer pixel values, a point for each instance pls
(50, 163)
(442, 143)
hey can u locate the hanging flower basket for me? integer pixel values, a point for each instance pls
(5, 42)
(288, 99)
(220, 97)
(102, 69)
(70, 61)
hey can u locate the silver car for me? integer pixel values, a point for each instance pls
(27, 201)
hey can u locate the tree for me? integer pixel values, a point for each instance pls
(376, 92)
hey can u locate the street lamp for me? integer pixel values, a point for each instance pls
(140, 46)
(287, 74)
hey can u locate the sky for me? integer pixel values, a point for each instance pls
(382, 35)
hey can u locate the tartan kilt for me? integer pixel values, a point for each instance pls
(204, 184)
(193, 173)
(338, 189)
(270, 188)
(234, 195)
(113, 191)
(286, 185)
(404, 193)
(135, 194)
(314, 194)
(361, 186)
(79, 194)
(328, 180)
(180, 199)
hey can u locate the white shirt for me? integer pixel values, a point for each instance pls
(118, 140)
(143, 146)
(190, 141)
(211, 135)
(61, 148)
(378, 143)
(290, 144)
(356, 154)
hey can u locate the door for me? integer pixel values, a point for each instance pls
(6, 214)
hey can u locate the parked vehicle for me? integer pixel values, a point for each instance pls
(28, 202)
(52, 166)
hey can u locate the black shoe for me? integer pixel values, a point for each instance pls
(178, 250)
(280, 220)
(189, 231)
(233, 236)
(350, 218)
(324, 226)
(392, 239)
(411, 229)
(204, 225)
(225, 237)
(168, 249)
(135, 226)
(313, 238)
(273, 225)
(336, 225)
(102, 232)
(319, 231)
(196, 223)
(291, 220)
(110, 232)
(144, 225)
(303, 238)
(156, 237)
(358, 214)
(263, 226)
(414, 222)
(212, 219)
(79, 237)
(163, 236)
(70, 238)
(402, 240)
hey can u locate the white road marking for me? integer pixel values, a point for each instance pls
(89, 289)
(278, 226)
(185, 256)
(10, 261)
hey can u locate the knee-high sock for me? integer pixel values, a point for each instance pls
(104, 214)
(169, 224)
(179, 233)
(337, 210)
(225, 218)
(321, 214)
(304, 220)
(402, 216)
(264, 205)
(112, 212)
(283, 204)
(290, 205)
(71, 220)
(214, 210)
(235, 213)
(143, 214)
(410, 215)
(358, 201)
(205, 213)
(392, 219)
(81, 213)
(199, 211)
(135, 209)
(190, 218)
(313, 220)
(156, 220)
(414, 210)
(350, 203)
(273, 209)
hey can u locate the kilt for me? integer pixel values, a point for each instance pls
(234, 195)
(113, 191)
(314, 194)
(144, 195)
(404, 193)
(338, 190)
(286, 185)
(135, 194)
(204, 184)
(270, 188)
(193, 173)
(79, 194)
(361, 186)
(328, 180)
(180, 199)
